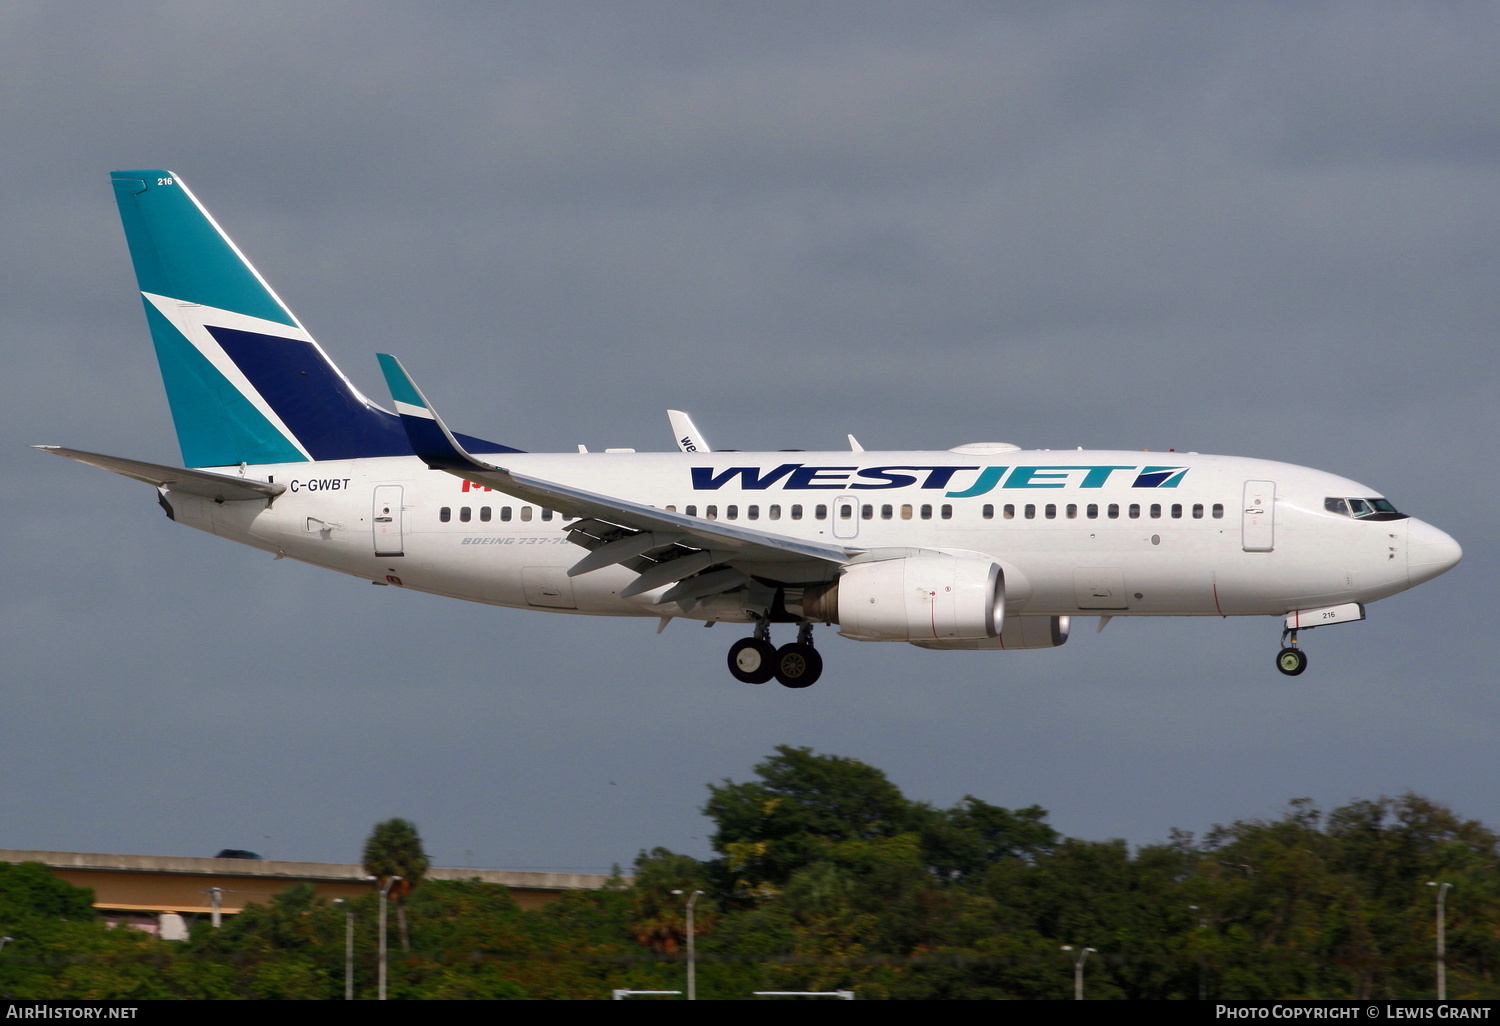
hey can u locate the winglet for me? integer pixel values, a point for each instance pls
(430, 438)
(686, 433)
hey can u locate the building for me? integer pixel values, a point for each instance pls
(160, 893)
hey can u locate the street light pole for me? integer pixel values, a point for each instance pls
(1083, 953)
(348, 948)
(1202, 930)
(692, 972)
(216, 903)
(385, 889)
(1442, 939)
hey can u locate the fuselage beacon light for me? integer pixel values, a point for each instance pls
(983, 546)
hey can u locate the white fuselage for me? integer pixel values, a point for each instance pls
(1075, 532)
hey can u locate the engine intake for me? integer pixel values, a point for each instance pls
(918, 598)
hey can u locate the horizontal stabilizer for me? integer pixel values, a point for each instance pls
(219, 487)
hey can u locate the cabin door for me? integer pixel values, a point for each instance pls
(1258, 521)
(388, 521)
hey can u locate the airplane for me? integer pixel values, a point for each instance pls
(984, 546)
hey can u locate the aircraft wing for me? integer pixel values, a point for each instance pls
(219, 487)
(662, 546)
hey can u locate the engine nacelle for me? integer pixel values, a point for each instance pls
(919, 598)
(1019, 632)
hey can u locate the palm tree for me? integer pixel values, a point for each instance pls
(394, 849)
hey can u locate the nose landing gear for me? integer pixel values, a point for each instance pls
(754, 660)
(1291, 660)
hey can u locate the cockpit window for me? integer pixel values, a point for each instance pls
(1362, 509)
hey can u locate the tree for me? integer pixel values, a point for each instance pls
(394, 848)
(803, 806)
(663, 882)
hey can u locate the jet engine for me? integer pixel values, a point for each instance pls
(918, 598)
(1019, 632)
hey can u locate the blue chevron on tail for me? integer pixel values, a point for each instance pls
(245, 381)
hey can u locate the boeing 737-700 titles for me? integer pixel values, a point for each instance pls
(982, 546)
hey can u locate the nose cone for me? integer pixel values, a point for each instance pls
(1429, 552)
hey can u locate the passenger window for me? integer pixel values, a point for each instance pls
(546, 513)
(1009, 512)
(926, 512)
(1176, 511)
(906, 511)
(1135, 511)
(1093, 511)
(752, 512)
(691, 511)
(1072, 511)
(1051, 511)
(820, 512)
(1030, 511)
(445, 514)
(1156, 511)
(946, 512)
(867, 512)
(1218, 511)
(504, 512)
(525, 512)
(464, 514)
(711, 512)
(887, 511)
(988, 511)
(484, 514)
(731, 512)
(797, 513)
(1197, 511)
(1114, 511)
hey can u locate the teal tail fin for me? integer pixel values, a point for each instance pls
(245, 381)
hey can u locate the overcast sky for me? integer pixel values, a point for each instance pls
(1260, 229)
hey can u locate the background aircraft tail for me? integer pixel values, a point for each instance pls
(245, 381)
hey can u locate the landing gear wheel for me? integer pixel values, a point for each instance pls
(1291, 661)
(752, 660)
(798, 665)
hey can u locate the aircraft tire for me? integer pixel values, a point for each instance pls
(798, 665)
(1291, 661)
(752, 661)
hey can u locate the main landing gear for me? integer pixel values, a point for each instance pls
(754, 660)
(1291, 660)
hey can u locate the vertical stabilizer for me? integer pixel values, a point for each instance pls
(245, 381)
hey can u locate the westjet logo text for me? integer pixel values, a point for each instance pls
(801, 477)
